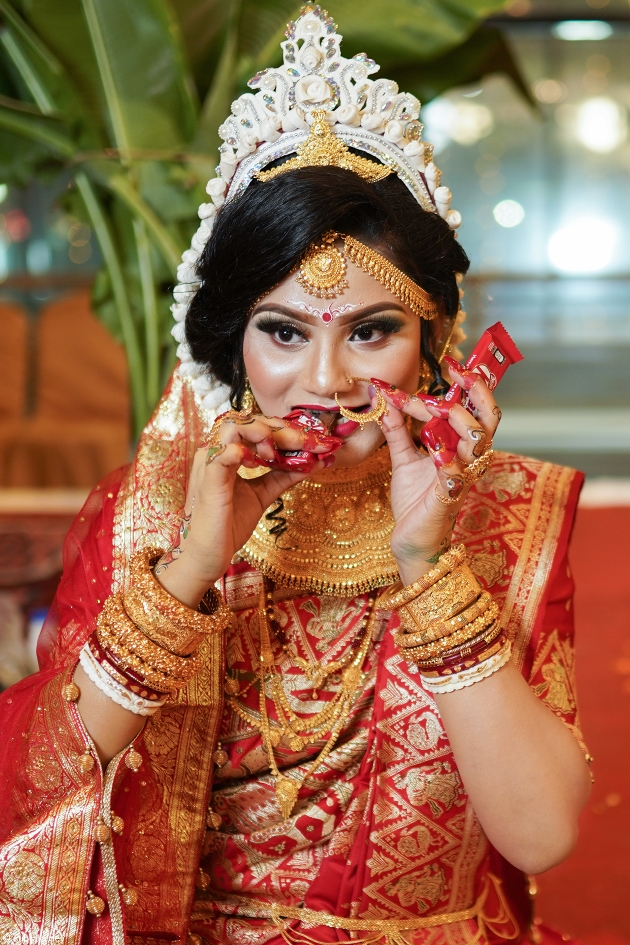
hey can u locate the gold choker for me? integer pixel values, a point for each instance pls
(337, 532)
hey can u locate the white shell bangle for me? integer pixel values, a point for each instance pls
(468, 677)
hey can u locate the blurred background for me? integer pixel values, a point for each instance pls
(108, 133)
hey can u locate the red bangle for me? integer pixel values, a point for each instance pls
(124, 677)
(454, 668)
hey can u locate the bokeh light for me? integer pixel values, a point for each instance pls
(582, 30)
(585, 245)
(464, 122)
(549, 91)
(601, 124)
(508, 213)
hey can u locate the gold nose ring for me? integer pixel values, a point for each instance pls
(374, 414)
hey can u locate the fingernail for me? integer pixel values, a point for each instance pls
(314, 440)
(328, 461)
(394, 394)
(469, 378)
(331, 442)
(455, 365)
(437, 403)
(441, 456)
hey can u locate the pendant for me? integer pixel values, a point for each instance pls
(286, 794)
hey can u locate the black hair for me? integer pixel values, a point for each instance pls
(259, 237)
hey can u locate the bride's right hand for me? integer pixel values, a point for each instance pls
(222, 509)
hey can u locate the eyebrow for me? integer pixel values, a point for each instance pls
(376, 309)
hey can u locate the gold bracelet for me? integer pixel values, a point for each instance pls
(158, 628)
(442, 628)
(162, 670)
(443, 600)
(441, 646)
(178, 628)
(447, 563)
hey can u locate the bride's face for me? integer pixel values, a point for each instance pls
(300, 350)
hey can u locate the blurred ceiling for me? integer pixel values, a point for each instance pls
(552, 10)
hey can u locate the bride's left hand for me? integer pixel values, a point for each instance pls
(424, 525)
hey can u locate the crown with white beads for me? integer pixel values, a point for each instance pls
(274, 120)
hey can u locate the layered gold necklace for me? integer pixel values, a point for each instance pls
(334, 532)
(298, 731)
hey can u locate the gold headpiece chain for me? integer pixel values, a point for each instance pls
(323, 269)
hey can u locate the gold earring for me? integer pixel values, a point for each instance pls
(248, 401)
(374, 414)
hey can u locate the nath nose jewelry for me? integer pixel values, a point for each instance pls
(362, 418)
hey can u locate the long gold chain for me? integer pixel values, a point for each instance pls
(331, 718)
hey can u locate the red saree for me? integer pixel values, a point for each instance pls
(383, 831)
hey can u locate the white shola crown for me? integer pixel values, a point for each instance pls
(369, 115)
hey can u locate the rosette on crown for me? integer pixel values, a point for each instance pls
(284, 114)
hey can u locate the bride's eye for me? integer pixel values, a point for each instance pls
(375, 331)
(365, 333)
(284, 332)
(287, 334)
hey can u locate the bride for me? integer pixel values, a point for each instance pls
(306, 678)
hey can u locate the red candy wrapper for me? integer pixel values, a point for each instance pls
(491, 357)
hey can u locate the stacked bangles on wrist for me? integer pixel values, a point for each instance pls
(449, 626)
(145, 645)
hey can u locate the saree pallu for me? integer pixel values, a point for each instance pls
(401, 840)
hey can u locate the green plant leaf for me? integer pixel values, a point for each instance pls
(146, 84)
(483, 53)
(44, 76)
(46, 131)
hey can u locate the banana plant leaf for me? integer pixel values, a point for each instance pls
(484, 53)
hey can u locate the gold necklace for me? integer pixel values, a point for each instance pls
(331, 718)
(338, 528)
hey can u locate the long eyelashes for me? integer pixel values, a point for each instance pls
(272, 325)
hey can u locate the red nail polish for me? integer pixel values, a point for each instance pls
(437, 403)
(469, 378)
(394, 394)
(332, 443)
(455, 365)
(328, 461)
(442, 457)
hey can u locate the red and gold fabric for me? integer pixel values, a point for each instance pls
(384, 830)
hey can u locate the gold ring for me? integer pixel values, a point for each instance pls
(362, 418)
(479, 468)
(444, 499)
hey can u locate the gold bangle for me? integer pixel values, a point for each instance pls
(158, 628)
(162, 670)
(447, 563)
(443, 600)
(187, 621)
(441, 646)
(443, 628)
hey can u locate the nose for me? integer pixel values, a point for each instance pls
(325, 371)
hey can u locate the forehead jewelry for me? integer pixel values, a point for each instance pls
(323, 269)
(362, 418)
(328, 314)
(323, 273)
